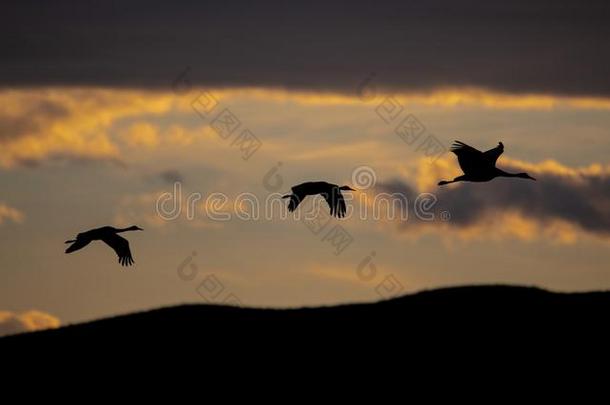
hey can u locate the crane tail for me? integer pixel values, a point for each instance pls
(70, 241)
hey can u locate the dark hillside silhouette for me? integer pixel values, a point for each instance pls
(467, 314)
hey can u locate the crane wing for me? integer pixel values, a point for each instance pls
(295, 200)
(469, 158)
(78, 244)
(121, 246)
(341, 208)
(336, 202)
(493, 154)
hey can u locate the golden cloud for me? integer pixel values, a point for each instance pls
(441, 97)
(79, 123)
(166, 207)
(498, 227)
(29, 321)
(41, 123)
(9, 213)
(565, 205)
(141, 134)
(429, 173)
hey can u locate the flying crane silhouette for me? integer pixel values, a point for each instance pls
(480, 166)
(108, 235)
(330, 192)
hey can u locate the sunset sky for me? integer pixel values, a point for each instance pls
(107, 106)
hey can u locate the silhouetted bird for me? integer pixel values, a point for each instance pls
(480, 166)
(107, 234)
(330, 192)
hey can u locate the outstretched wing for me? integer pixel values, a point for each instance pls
(469, 158)
(295, 200)
(340, 208)
(121, 246)
(336, 202)
(78, 244)
(493, 154)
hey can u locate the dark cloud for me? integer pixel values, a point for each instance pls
(519, 46)
(68, 158)
(583, 201)
(171, 176)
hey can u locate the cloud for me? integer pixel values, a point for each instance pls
(29, 321)
(59, 124)
(39, 125)
(18, 120)
(171, 176)
(343, 275)
(142, 209)
(539, 46)
(159, 209)
(563, 205)
(435, 97)
(142, 134)
(9, 213)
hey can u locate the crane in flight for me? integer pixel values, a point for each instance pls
(480, 166)
(330, 192)
(108, 235)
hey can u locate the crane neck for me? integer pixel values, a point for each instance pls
(502, 173)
